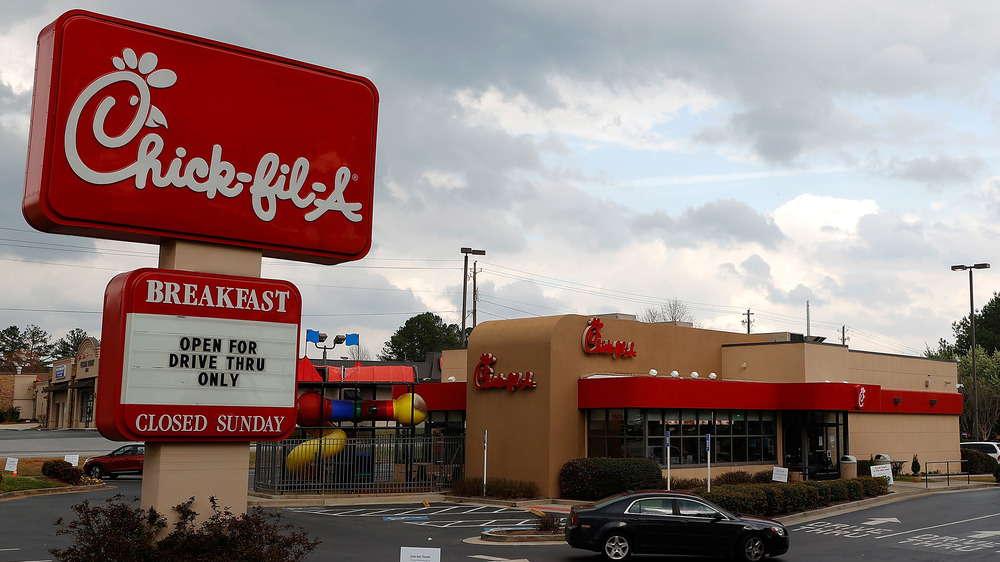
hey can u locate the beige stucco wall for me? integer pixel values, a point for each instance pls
(931, 437)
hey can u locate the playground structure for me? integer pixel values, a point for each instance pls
(358, 442)
(314, 411)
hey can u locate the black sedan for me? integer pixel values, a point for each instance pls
(671, 523)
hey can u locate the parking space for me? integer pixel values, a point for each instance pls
(442, 516)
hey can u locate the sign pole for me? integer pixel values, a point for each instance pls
(666, 446)
(708, 452)
(484, 462)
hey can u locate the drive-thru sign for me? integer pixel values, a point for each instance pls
(193, 357)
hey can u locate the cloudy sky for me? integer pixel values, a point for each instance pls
(608, 156)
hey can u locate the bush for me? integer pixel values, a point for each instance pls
(58, 469)
(119, 532)
(873, 487)
(685, 483)
(497, 488)
(734, 477)
(915, 465)
(762, 477)
(855, 489)
(978, 462)
(600, 477)
(547, 523)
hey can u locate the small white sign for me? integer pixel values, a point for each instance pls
(73, 460)
(11, 465)
(416, 554)
(779, 474)
(882, 470)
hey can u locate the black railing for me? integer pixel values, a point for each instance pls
(947, 474)
(361, 465)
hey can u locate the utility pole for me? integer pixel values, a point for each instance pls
(843, 335)
(475, 292)
(749, 321)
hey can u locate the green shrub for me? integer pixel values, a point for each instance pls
(496, 488)
(59, 469)
(872, 487)
(855, 489)
(978, 462)
(685, 483)
(838, 491)
(119, 532)
(822, 489)
(762, 477)
(600, 477)
(734, 477)
(915, 465)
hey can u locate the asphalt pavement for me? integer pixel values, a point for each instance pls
(26, 440)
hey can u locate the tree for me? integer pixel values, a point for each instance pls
(29, 349)
(987, 390)
(69, 344)
(420, 335)
(359, 353)
(674, 310)
(987, 329)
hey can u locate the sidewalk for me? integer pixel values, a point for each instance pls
(19, 426)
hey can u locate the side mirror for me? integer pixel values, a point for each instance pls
(717, 517)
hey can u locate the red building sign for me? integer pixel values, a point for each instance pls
(143, 134)
(485, 378)
(189, 357)
(594, 345)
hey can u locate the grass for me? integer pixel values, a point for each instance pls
(18, 483)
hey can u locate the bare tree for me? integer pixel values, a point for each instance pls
(359, 353)
(674, 310)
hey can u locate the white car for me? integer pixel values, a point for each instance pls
(989, 447)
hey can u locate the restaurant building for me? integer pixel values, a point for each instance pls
(542, 391)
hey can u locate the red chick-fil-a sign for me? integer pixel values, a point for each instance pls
(593, 344)
(485, 378)
(143, 134)
(190, 356)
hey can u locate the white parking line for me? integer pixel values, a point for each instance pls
(938, 526)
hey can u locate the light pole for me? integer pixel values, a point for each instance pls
(317, 337)
(465, 283)
(972, 333)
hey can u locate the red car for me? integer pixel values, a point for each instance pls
(126, 459)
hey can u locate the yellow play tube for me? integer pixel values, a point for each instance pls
(303, 459)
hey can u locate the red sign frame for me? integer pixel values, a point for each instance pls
(147, 135)
(169, 333)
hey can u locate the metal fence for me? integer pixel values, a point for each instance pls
(365, 465)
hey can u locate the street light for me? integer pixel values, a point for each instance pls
(317, 337)
(465, 283)
(972, 333)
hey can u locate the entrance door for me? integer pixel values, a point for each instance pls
(814, 443)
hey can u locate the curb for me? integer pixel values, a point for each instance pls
(17, 494)
(493, 536)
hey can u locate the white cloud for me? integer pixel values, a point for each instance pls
(813, 219)
(627, 114)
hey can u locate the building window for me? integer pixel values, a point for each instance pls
(737, 436)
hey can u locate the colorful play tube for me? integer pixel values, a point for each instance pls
(314, 410)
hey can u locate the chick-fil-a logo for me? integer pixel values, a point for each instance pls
(272, 180)
(860, 403)
(485, 378)
(593, 344)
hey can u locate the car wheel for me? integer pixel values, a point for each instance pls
(96, 471)
(752, 548)
(616, 547)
